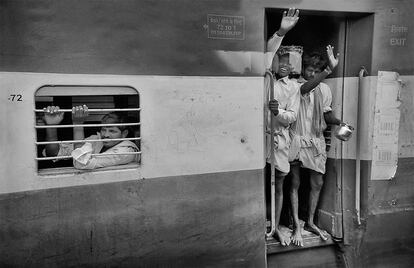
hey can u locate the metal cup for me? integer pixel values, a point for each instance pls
(344, 132)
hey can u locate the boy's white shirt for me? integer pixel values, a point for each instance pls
(288, 90)
(309, 99)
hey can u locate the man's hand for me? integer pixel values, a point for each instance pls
(274, 106)
(346, 124)
(79, 114)
(52, 115)
(333, 62)
(289, 20)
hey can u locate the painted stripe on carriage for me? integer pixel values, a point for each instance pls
(190, 125)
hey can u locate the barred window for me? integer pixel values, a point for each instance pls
(110, 128)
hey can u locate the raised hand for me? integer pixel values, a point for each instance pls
(333, 62)
(79, 114)
(289, 20)
(52, 115)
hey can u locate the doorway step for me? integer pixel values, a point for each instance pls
(314, 253)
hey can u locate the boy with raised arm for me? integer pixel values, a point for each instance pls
(284, 108)
(308, 149)
(109, 152)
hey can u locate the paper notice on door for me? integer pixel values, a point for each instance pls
(386, 127)
(384, 163)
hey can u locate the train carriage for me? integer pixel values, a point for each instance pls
(191, 75)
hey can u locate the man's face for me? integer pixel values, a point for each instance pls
(310, 72)
(112, 133)
(284, 67)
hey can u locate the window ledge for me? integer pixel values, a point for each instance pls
(71, 170)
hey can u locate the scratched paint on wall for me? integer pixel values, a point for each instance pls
(386, 127)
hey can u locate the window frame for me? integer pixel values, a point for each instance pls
(110, 90)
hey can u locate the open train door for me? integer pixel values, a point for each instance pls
(340, 202)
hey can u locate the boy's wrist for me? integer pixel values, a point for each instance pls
(280, 33)
(328, 70)
(78, 122)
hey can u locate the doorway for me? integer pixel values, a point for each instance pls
(351, 36)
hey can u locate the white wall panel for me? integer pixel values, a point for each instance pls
(190, 125)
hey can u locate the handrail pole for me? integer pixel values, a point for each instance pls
(362, 72)
(270, 234)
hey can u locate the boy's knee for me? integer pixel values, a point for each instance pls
(316, 180)
(294, 184)
(294, 176)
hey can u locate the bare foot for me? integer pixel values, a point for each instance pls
(296, 237)
(284, 240)
(311, 227)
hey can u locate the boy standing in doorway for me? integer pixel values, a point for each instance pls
(284, 107)
(308, 149)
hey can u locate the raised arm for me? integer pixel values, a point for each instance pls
(52, 116)
(333, 62)
(289, 20)
(79, 114)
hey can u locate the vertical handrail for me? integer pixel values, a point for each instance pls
(362, 72)
(272, 162)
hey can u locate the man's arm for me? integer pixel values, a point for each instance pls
(317, 79)
(333, 62)
(106, 159)
(330, 119)
(52, 116)
(79, 114)
(328, 115)
(289, 20)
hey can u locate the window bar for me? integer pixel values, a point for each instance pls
(96, 110)
(89, 125)
(83, 141)
(69, 156)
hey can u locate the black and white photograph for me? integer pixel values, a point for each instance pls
(207, 133)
